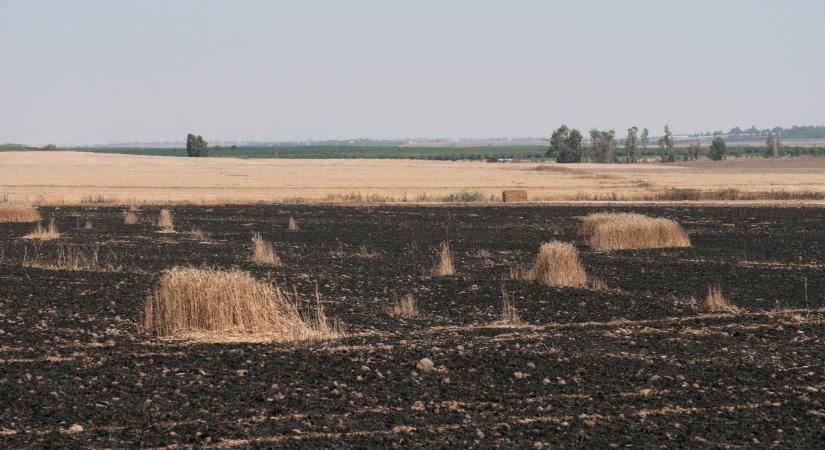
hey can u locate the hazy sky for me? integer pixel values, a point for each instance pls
(83, 72)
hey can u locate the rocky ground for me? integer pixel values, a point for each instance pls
(640, 362)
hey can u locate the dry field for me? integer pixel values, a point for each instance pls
(72, 177)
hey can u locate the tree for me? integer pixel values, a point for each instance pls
(603, 145)
(50, 147)
(666, 142)
(195, 145)
(693, 151)
(631, 145)
(735, 131)
(645, 141)
(566, 145)
(770, 146)
(717, 149)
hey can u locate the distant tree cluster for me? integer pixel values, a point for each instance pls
(794, 132)
(196, 146)
(566, 145)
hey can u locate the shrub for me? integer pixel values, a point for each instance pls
(444, 267)
(217, 305)
(18, 212)
(263, 253)
(617, 231)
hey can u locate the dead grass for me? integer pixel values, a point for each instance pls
(617, 231)
(263, 253)
(406, 306)
(717, 302)
(76, 258)
(199, 234)
(44, 234)
(18, 212)
(88, 226)
(509, 314)
(165, 221)
(444, 267)
(292, 224)
(130, 218)
(484, 253)
(558, 265)
(214, 305)
(364, 251)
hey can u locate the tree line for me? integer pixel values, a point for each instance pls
(566, 145)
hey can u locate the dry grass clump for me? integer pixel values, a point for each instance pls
(617, 231)
(76, 258)
(130, 218)
(18, 212)
(364, 251)
(405, 307)
(292, 224)
(509, 313)
(556, 265)
(44, 234)
(444, 267)
(165, 222)
(199, 234)
(716, 301)
(88, 225)
(219, 305)
(263, 253)
(484, 253)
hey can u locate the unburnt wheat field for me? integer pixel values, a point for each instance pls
(551, 329)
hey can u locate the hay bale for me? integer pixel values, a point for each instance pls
(514, 196)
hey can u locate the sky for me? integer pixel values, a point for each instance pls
(106, 71)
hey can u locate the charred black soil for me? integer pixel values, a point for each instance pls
(640, 362)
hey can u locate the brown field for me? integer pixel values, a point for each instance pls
(73, 177)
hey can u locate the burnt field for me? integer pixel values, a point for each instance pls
(638, 361)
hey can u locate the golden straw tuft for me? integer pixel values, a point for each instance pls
(263, 253)
(405, 307)
(44, 234)
(716, 301)
(509, 313)
(558, 264)
(165, 222)
(445, 266)
(216, 306)
(130, 218)
(292, 224)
